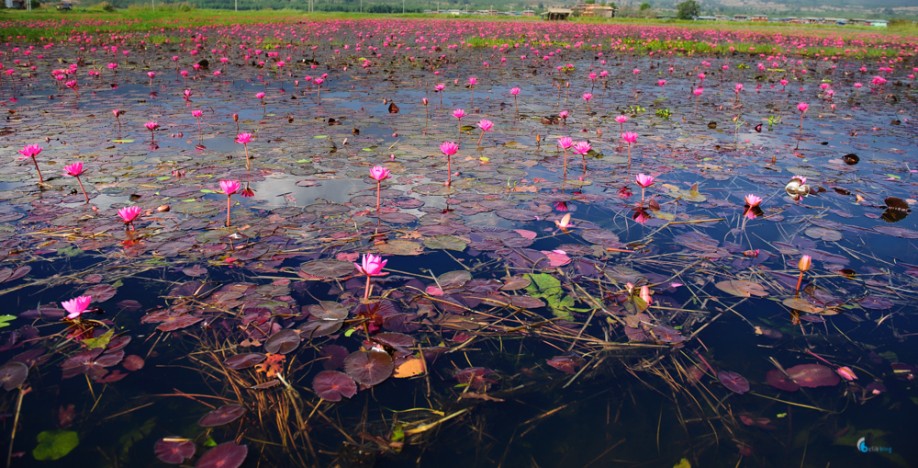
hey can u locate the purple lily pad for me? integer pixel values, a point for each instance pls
(779, 380)
(13, 374)
(225, 455)
(244, 361)
(283, 342)
(173, 451)
(369, 368)
(222, 415)
(566, 364)
(734, 382)
(333, 385)
(813, 375)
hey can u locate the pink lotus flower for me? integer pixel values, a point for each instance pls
(197, 113)
(449, 148)
(565, 142)
(76, 307)
(151, 126)
(802, 107)
(621, 119)
(514, 91)
(581, 148)
(379, 173)
(371, 265)
(151, 74)
(737, 88)
(29, 151)
(644, 180)
(587, 96)
(698, 91)
(661, 83)
(74, 170)
(186, 94)
(128, 215)
(473, 81)
(630, 137)
(244, 138)
(753, 201)
(439, 87)
(485, 125)
(459, 114)
(260, 95)
(229, 187)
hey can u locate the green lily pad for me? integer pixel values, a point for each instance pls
(54, 445)
(401, 247)
(445, 242)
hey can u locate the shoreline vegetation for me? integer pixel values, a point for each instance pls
(166, 23)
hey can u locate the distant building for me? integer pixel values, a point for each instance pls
(596, 11)
(15, 4)
(557, 14)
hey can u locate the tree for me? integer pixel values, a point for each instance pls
(645, 6)
(688, 9)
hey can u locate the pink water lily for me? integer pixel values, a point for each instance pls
(128, 215)
(753, 201)
(76, 170)
(644, 180)
(379, 174)
(76, 307)
(486, 126)
(449, 148)
(370, 266)
(244, 139)
(31, 152)
(229, 187)
(631, 139)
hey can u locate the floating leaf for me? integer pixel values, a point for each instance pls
(779, 380)
(332, 385)
(445, 242)
(225, 455)
(6, 319)
(802, 305)
(244, 361)
(516, 283)
(813, 375)
(222, 415)
(829, 235)
(327, 269)
(401, 247)
(565, 363)
(454, 279)
(742, 288)
(283, 342)
(54, 445)
(173, 450)
(369, 368)
(411, 367)
(13, 374)
(734, 382)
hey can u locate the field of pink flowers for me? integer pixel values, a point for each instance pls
(392, 242)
